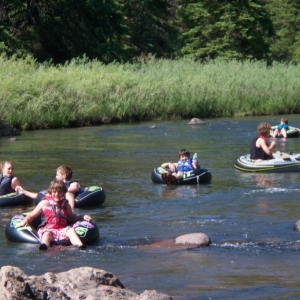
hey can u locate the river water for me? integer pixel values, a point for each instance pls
(249, 217)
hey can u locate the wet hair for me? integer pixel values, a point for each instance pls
(284, 120)
(57, 185)
(264, 129)
(184, 152)
(4, 163)
(65, 170)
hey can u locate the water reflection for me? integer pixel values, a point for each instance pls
(281, 144)
(184, 191)
(264, 180)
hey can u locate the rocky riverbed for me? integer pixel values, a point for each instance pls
(79, 283)
(85, 282)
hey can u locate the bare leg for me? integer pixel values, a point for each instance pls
(74, 238)
(179, 175)
(46, 239)
(276, 131)
(283, 132)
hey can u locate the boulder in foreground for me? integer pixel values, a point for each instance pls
(79, 283)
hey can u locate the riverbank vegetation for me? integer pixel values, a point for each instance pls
(122, 30)
(77, 62)
(84, 92)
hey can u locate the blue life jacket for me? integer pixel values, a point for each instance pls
(283, 126)
(184, 166)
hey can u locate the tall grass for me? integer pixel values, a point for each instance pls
(84, 92)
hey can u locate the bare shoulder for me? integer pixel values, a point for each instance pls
(42, 203)
(15, 179)
(260, 141)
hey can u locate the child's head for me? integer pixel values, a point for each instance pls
(64, 172)
(7, 168)
(184, 153)
(264, 129)
(284, 120)
(57, 186)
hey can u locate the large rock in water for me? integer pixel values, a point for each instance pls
(7, 130)
(186, 241)
(81, 283)
(297, 225)
(196, 121)
(198, 239)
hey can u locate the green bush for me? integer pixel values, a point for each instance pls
(83, 93)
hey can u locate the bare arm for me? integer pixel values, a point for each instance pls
(74, 187)
(267, 149)
(36, 212)
(196, 164)
(20, 190)
(73, 217)
(15, 182)
(170, 166)
(272, 146)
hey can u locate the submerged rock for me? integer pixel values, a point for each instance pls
(79, 283)
(196, 121)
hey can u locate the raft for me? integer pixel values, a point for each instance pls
(14, 199)
(282, 162)
(89, 196)
(88, 232)
(291, 133)
(193, 177)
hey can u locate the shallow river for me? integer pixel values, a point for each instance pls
(249, 217)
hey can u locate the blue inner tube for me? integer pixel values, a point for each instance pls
(193, 177)
(89, 196)
(88, 232)
(14, 199)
